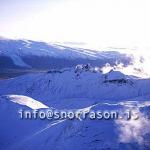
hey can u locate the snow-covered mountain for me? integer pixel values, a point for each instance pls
(114, 81)
(16, 133)
(82, 82)
(82, 88)
(25, 53)
(19, 57)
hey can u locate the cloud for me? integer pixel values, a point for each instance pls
(134, 130)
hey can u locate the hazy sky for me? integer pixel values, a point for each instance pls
(118, 23)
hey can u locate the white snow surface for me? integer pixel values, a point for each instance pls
(76, 134)
(27, 101)
(83, 89)
(68, 83)
(137, 62)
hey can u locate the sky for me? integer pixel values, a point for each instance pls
(102, 23)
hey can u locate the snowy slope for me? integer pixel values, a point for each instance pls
(27, 101)
(85, 89)
(23, 56)
(62, 84)
(109, 86)
(12, 127)
(75, 134)
(24, 53)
